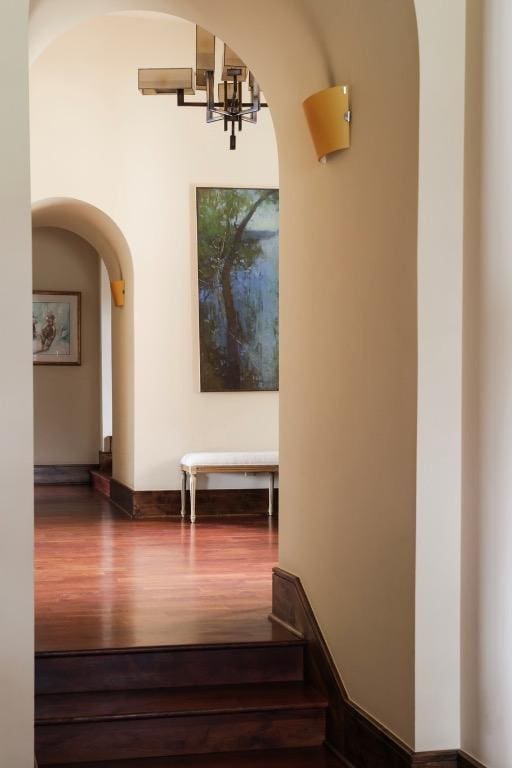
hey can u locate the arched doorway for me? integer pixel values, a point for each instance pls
(317, 200)
(348, 314)
(101, 232)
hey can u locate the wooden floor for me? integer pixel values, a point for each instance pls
(105, 581)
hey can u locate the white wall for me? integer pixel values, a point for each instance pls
(440, 254)
(67, 403)
(16, 466)
(139, 159)
(487, 487)
(106, 353)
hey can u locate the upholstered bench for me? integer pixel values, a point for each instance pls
(193, 464)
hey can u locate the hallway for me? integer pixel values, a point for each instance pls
(105, 581)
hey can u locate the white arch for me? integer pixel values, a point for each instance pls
(102, 233)
(90, 223)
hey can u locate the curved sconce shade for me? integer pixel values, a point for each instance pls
(117, 288)
(328, 115)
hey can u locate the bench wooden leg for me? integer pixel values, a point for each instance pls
(193, 479)
(271, 495)
(183, 492)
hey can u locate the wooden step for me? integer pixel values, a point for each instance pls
(172, 666)
(156, 722)
(316, 757)
(100, 481)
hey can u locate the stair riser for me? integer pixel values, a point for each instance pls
(169, 669)
(153, 737)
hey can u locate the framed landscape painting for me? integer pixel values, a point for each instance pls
(56, 328)
(238, 256)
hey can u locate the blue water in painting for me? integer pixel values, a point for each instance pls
(255, 293)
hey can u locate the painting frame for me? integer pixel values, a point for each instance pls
(56, 327)
(250, 383)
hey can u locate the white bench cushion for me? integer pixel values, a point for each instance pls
(230, 458)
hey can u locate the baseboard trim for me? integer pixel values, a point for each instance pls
(358, 739)
(276, 620)
(63, 474)
(448, 758)
(466, 761)
(158, 505)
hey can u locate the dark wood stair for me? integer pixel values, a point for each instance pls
(243, 704)
(315, 757)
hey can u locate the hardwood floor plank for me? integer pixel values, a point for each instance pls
(105, 581)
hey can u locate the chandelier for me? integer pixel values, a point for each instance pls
(224, 103)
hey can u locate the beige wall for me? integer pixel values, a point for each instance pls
(487, 444)
(440, 254)
(139, 159)
(16, 518)
(348, 271)
(67, 400)
(348, 341)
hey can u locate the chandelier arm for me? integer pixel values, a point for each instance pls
(182, 103)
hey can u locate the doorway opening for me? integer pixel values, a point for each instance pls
(156, 579)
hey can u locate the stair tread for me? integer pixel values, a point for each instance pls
(316, 757)
(165, 702)
(278, 637)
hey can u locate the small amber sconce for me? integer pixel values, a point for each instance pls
(328, 115)
(117, 288)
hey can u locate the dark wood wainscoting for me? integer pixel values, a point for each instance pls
(161, 504)
(63, 474)
(466, 761)
(351, 732)
(441, 759)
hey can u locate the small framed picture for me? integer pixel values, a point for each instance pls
(56, 327)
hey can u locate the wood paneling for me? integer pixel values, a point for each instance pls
(122, 496)
(156, 504)
(63, 474)
(466, 761)
(441, 759)
(100, 481)
(214, 502)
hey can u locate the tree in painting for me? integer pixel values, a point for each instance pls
(238, 288)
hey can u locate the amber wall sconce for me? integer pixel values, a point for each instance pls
(329, 116)
(117, 288)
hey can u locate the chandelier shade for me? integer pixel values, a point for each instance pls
(160, 81)
(237, 98)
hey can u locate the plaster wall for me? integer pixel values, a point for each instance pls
(440, 256)
(348, 283)
(348, 357)
(67, 402)
(16, 442)
(486, 629)
(139, 159)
